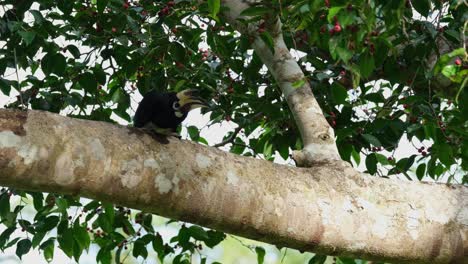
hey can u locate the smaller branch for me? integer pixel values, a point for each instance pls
(230, 139)
(233, 136)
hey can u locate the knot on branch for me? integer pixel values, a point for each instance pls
(321, 155)
(324, 136)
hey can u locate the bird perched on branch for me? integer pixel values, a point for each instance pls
(164, 111)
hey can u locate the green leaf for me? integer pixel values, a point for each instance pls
(38, 199)
(47, 224)
(88, 82)
(372, 140)
(339, 93)
(404, 164)
(213, 7)
(5, 236)
(194, 132)
(198, 233)
(38, 18)
(179, 85)
(422, 6)
(104, 256)
(37, 239)
(158, 246)
(449, 70)
(260, 254)
(266, 37)
(53, 63)
(27, 36)
(299, 83)
(420, 171)
(5, 86)
(4, 205)
(215, 237)
(74, 51)
(66, 241)
(81, 235)
(332, 13)
(375, 97)
(23, 247)
(356, 156)
(255, 11)
(99, 74)
(267, 150)
(48, 249)
(382, 159)
(318, 259)
(371, 163)
(139, 249)
(366, 65)
(104, 223)
(445, 154)
(62, 205)
(101, 5)
(344, 54)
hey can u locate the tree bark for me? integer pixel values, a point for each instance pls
(328, 209)
(317, 135)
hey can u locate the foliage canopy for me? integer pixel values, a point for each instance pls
(382, 71)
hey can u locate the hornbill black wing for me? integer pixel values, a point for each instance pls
(152, 107)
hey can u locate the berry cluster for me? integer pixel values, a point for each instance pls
(167, 9)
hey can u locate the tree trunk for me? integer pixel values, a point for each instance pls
(329, 208)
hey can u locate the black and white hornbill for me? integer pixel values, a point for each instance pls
(164, 111)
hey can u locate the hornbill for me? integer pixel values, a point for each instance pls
(164, 111)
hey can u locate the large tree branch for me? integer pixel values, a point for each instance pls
(317, 135)
(329, 208)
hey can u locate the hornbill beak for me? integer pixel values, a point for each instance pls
(189, 100)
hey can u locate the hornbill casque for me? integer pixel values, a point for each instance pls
(164, 111)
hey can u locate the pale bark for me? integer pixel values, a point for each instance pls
(328, 209)
(317, 135)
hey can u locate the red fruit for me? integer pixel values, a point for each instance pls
(333, 123)
(458, 61)
(114, 29)
(228, 118)
(405, 106)
(327, 3)
(261, 30)
(230, 89)
(343, 72)
(337, 27)
(174, 30)
(389, 158)
(424, 153)
(125, 5)
(170, 3)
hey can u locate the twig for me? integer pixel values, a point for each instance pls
(230, 139)
(233, 136)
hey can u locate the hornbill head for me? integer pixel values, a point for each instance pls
(188, 100)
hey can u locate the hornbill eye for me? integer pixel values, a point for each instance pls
(176, 105)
